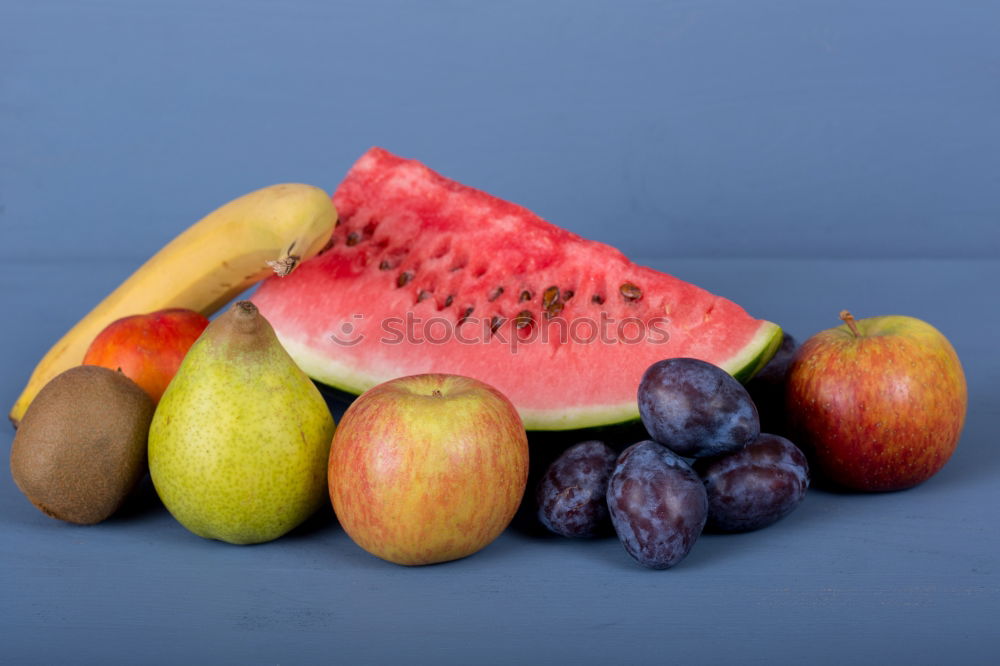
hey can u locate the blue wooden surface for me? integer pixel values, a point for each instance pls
(797, 157)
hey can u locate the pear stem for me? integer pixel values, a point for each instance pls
(246, 308)
(848, 319)
(244, 318)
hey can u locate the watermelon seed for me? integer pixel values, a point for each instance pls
(403, 278)
(550, 296)
(495, 323)
(457, 267)
(523, 319)
(630, 291)
(353, 238)
(597, 298)
(554, 309)
(385, 265)
(525, 296)
(448, 301)
(568, 294)
(423, 295)
(495, 294)
(465, 315)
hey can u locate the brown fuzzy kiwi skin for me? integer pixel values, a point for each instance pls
(81, 447)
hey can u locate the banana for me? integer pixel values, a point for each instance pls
(205, 267)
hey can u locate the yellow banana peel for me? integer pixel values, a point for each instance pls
(267, 231)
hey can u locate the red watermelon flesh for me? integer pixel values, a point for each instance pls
(424, 274)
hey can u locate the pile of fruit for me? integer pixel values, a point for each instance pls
(461, 320)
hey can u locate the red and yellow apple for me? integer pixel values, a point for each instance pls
(147, 348)
(879, 403)
(428, 468)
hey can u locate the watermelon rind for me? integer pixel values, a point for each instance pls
(743, 365)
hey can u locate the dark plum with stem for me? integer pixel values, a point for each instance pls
(657, 504)
(572, 494)
(755, 487)
(696, 409)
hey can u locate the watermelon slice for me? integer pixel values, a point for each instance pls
(424, 274)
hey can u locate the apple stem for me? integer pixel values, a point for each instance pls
(848, 319)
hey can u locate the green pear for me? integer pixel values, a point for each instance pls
(240, 441)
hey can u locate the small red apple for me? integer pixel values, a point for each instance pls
(428, 468)
(148, 348)
(878, 402)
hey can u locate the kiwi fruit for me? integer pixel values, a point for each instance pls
(81, 447)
